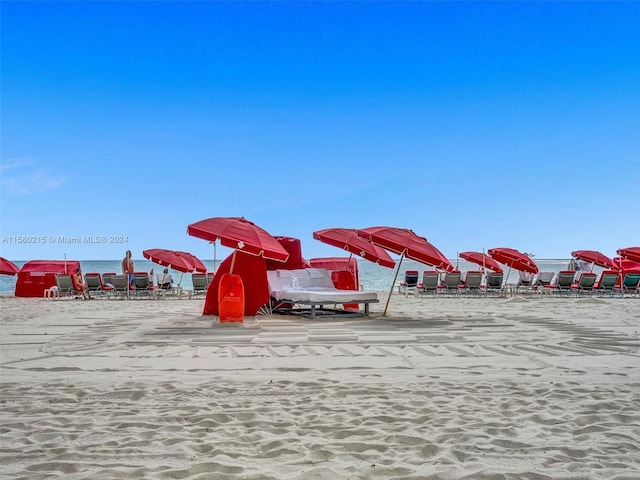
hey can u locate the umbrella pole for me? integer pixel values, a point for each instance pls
(233, 261)
(484, 275)
(349, 261)
(384, 314)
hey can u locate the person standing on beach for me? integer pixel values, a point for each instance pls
(127, 266)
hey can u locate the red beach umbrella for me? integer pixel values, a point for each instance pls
(595, 257)
(407, 244)
(512, 258)
(241, 235)
(195, 261)
(482, 259)
(349, 240)
(625, 264)
(181, 261)
(7, 267)
(630, 253)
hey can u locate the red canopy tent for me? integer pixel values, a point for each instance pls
(247, 239)
(343, 271)
(338, 264)
(36, 276)
(253, 271)
(295, 260)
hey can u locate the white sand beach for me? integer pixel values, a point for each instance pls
(441, 388)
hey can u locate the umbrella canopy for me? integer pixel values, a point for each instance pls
(630, 253)
(514, 259)
(595, 257)
(7, 267)
(406, 243)
(241, 235)
(483, 259)
(195, 261)
(625, 264)
(181, 261)
(349, 240)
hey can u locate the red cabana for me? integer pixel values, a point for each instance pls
(253, 271)
(338, 264)
(38, 275)
(295, 260)
(344, 273)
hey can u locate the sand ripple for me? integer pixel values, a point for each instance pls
(320, 429)
(477, 389)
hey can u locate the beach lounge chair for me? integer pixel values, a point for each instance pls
(410, 283)
(543, 280)
(631, 283)
(525, 279)
(472, 282)
(585, 284)
(107, 278)
(451, 283)
(200, 283)
(95, 284)
(142, 286)
(164, 281)
(66, 288)
(429, 283)
(606, 284)
(564, 282)
(93, 281)
(120, 286)
(493, 283)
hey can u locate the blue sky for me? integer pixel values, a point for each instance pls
(477, 125)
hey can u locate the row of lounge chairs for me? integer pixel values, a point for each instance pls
(112, 285)
(451, 283)
(609, 283)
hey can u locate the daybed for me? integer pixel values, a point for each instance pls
(313, 287)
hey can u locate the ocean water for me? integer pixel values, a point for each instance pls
(372, 276)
